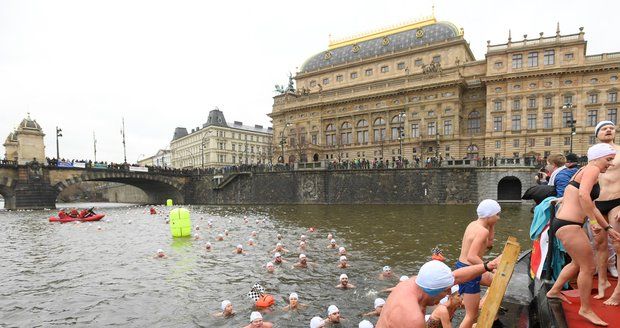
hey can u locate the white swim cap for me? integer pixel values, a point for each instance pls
(277, 254)
(403, 278)
(252, 240)
(600, 125)
(279, 244)
(303, 237)
(488, 207)
(600, 150)
(317, 322)
(302, 256)
(379, 302)
(332, 309)
(293, 296)
(387, 268)
(365, 324)
(225, 304)
(333, 241)
(220, 235)
(269, 264)
(344, 276)
(435, 275)
(341, 249)
(240, 246)
(160, 250)
(208, 244)
(255, 315)
(343, 258)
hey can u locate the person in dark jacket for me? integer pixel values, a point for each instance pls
(563, 177)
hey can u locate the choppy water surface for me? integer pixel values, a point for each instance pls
(74, 274)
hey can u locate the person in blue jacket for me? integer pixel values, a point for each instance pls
(563, 177)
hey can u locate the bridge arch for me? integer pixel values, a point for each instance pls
(6, 190)
(157, 188)
(509, 189)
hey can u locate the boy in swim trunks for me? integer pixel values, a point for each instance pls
(477, 239)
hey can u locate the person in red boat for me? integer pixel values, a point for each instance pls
(153, 211)
(62, 214)
(74, 213)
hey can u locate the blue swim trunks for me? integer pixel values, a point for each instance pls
(469, 287)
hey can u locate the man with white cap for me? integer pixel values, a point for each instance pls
(608, 203)
(407, 304)
(344, 282)
(477, 240)
(343, 262)
(379, 303)
(333, 315)
(342, 250)
(303, 262)
(239, 249)
(227, 310)
(160, 254)
(256, 321)
(279, 248)
(332, 244)
(294, 304)
(277, 258)
(365, 324)
(386, 273)
(270, 267)
(317, 322)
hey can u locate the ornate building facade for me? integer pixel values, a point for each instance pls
(417, 90)
(219, 144)
(25, 144)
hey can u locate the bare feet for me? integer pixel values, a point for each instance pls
(614, 300)
(558, 296)
(601, 289)
(592, 317)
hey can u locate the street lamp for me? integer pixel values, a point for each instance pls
(58, 134)
(401, 133)
(283, 140)
(571, 124)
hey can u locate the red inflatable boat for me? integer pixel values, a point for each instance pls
(95, 217)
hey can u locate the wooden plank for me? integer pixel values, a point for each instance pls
(496, 291)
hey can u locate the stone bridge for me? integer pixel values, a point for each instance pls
(33, 186)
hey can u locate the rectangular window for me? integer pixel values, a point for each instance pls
(593, 98)
(346, 138)
(339, 78)
(547, 141)
(497, 105)
(447, 127)
(516, 123)
(400, 66)
(612, 97)
(362, 136)
(566, 141)
(325, 81)
(432, 129)
(531, 142)
(415, 130)
(612, 115)
(517, 61)
(549, 57)
(498, 64)
(516, 104)
(531, 121)
(568, 99)
(233, 147)
(531, 103)
(532, 59)
(498, 144)
(314, 139)
(436, 59)
(569, 56)
(567, 117)
(548, 102)
(548, 121)
(385, 69)
(233, 158)
(378, 135)
(592, 117)
(515, 143)
(497, 123)
(368, 72)
(418, 62)
(354, 75)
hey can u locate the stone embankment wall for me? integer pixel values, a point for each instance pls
(408, 186)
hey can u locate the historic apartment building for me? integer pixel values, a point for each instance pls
(417, 87)
(219, 144)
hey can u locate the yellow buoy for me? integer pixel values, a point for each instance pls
(180, 223)
(169, 202)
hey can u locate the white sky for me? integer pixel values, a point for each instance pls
(83, 65)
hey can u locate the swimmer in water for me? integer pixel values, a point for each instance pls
(386, 273)
(279, 249)
(239, 250)
(256, 321)
(219, 237)
(333, 315)
(342, 251)
(277, 258)
(365, 324)
(160, 254)
(303, 262)
(303, 238)
(379, 303)
(251, 242)
(444, 312)
(402, 278)
(317, 322)
(330, 236)
(279, 236)
(253, 234)
(226, 232)
(343, 263)
(294, 303)
(227, 310)
(344, 282)
(197, 237)
(208, 246)
(302, 245)
(332, 244)
(270, 267)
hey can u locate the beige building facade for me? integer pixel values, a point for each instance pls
(416, 89)
(219, 144)
(25, 144)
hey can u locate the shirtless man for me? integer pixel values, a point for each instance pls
(406, 306)
(386, 273)
(294, 303)
(239, 250)
(227, 310)
(379, 303)
(256, 321)
(160, 254)
(303, 262)
(608, 203)
(344, 282)
(332, 244)
(277, 258)
(343, 263)
(279, 249)
(477, 239)
(333, 316)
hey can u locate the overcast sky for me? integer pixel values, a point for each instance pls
(83, 65)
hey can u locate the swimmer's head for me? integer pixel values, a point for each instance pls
(270, 267)
(379, 303)
(435, 278)
(344, 279)
(225, 232)
(387, 270)
(302, 244)
(208, 245)
(317, 322)
(342, 250)
(279, 236)
(279, 245)
(365, 324)
(488, 208)
(226, 305)
(302, 256)
(239, 247)
(160, 251)
(293, 298)
(303, 237)
(403, 278)
(343, 258)
(256, 318)
(277, 254)
(251, 241)
(330, 236)
(333, 241)
(333, 313)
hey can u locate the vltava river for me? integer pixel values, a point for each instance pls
(75, 274)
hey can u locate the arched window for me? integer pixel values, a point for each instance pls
(362, 133)
(362, 123)
(473, 122)
(345, 125)
(330, 127)
(379, 121)
(395, 119)
(330, 135)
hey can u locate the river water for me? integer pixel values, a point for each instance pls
(77, 274)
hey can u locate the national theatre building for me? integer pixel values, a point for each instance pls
(417, 90)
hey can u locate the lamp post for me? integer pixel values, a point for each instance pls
(401, 134)
(58, 134)
(571, 124)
